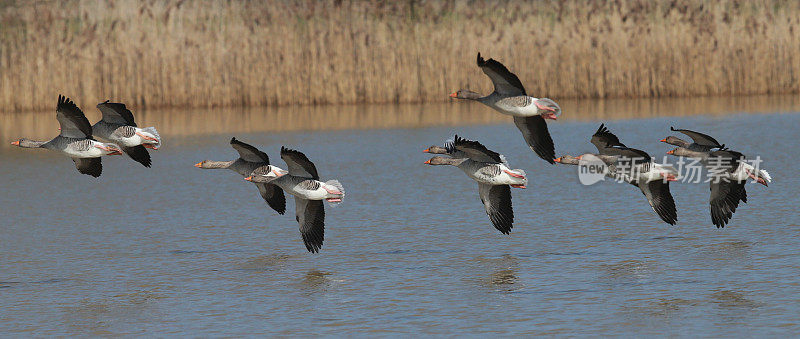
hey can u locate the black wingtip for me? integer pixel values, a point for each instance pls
(480, 61)
(233, 140)
(672, 128)
(139, 154)
(313, 243)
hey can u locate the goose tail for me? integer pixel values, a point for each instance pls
(337, 195)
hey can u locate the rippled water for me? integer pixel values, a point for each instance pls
(178, 250)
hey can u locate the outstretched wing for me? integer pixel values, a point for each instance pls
(603, 138)
(505, 83)
(660, 199)
(534, 130)
(725, 197)
(90, 166)
(116, 113)
(273, 195)
(699, 138)
(72, 120)
(249, 153)
(497, 202)
(138, 153)
(476, 151)
(310, 214)
(298, 164)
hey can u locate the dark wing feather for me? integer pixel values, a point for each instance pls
(534, 130)
(298, 164)
(699, 138)
(660, 199)
(637, 155)
(497, 202)
(310, 214)
(90, 166)
(138, 153)
(249, 153)
(505, 82)
(725, 197)
(273, 195)
(603, 138)
(72, 120)
(475, 150)
(116, 113)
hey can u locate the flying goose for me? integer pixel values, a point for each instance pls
(492, 173)
(302, 181)
(75, 140)
(727, 185)
(118, 125)
(249, 159)
(509, 97)
(702, 148)
(635, 167)
(702, 142)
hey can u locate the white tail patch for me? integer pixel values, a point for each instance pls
(765, 175)
(152, 131)
(340, 188)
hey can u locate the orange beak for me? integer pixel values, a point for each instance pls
(428, 161)
(16, 143)
(250, 178)
(427, 150)
(454, 95)
(199, 164)
(558, 160)
(664, 140)
(671, 152)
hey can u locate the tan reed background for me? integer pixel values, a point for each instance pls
(237, 53)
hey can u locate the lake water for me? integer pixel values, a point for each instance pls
(175, 250)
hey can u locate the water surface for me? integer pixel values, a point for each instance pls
(178, 250)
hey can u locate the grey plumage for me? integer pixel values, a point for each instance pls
(534, 131)
(310, 214)
(496, 201)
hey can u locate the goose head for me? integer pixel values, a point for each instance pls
(673, 140)
(27, 143)
(680, 152)
(568, 160)
(266, 174)
(436, 150)
(465, 94)
(439, 161)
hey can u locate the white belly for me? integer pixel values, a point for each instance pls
(93, 152)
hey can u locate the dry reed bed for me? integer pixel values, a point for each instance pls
(213, 53)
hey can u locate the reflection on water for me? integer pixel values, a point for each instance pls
(96, 316)
(265, 262)
(629, 269)
(727, 298)
(43, 125)
(315, 281)
(499, 274)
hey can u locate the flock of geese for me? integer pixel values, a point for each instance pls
(489, 169)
